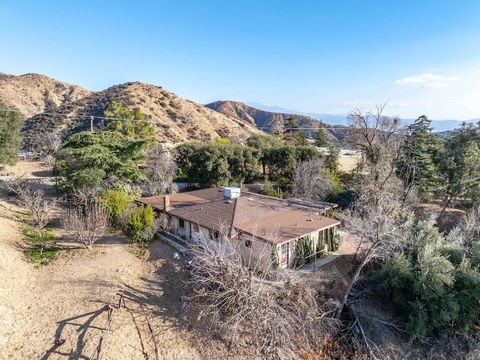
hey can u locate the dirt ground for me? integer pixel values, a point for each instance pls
(58, 311)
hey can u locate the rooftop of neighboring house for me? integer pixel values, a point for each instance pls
(271, 219)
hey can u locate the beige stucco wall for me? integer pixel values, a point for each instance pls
(259, 249)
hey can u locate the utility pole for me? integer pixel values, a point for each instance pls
(91, 124)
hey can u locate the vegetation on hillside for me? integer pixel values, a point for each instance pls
(10, 138)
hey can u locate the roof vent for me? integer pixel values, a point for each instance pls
(230, 193)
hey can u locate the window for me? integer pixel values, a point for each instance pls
(248, 243)
(195, 227)
(213, 234)
(181, 223)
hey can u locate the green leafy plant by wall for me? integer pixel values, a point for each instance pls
(304, 251)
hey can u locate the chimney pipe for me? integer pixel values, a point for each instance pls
(166, 202)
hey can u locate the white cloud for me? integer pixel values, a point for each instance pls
(428, 80)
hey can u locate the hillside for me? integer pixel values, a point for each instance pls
(270, 121)
(33, 93)
(52, 106)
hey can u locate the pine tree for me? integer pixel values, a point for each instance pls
(417, 165)
(292, 129)
(322, 139)
(461, 164)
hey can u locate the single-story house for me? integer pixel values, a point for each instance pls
(260, 223)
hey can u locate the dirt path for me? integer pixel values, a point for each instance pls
(59, 311)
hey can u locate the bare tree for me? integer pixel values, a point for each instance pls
(40, 207)
(380, 220)
(52, 142)
(374, 134)
(85, 196)
(162, 221)
(161, 172)
(248, 302)
(310, 181)
(87, 225)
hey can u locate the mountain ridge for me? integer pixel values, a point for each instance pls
(49, 105)
(270, 121)
(341, 119)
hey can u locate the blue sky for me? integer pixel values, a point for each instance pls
(423, 57)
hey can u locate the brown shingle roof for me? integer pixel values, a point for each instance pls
(274, 220)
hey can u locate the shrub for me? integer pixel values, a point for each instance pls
(141, 224)
(116, 201)
(42, 256)
(433, 282)
(31, 235)
(40, 253)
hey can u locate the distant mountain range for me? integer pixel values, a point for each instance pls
(270, 121)
(341, 119)
(48, 105)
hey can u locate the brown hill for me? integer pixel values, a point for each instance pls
(52, 106)
(34, 93)
(271, 121)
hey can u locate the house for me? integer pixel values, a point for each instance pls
(260, 223)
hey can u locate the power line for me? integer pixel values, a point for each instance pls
(88, 116)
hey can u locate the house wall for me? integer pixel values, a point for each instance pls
(189, 231)
(319, 239)
(256, 251)
(258, 247)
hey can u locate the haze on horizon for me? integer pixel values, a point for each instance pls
(310, 56)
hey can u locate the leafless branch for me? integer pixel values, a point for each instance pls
(248, 301)
(87, 225)
(161, 171)
(310, 181)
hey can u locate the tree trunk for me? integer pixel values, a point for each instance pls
(352, 282)
(447, 202)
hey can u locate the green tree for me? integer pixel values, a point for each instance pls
(281, 161)
(460, 164)
(10, 139)
(292, 132)
(322, 140)
(108, 153)
(130, 122)
(260, 144)
(214, 164)
(419, 153)
(331, 159)
(222, 140)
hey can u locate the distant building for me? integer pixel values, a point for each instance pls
(259, 223)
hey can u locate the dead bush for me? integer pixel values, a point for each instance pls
(249, 303)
